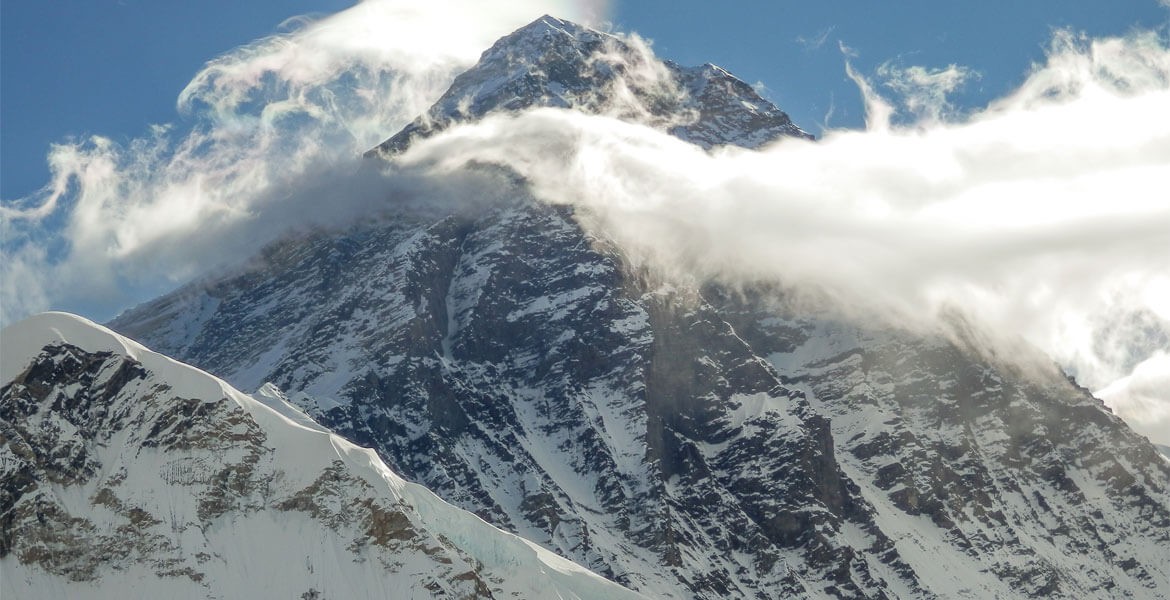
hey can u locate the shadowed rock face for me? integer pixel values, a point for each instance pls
(1014, 465)
(683, 442)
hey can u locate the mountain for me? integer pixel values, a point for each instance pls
(683, 441)
(129, 475)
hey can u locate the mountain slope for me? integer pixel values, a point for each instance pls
(685, 442)
(1006, 466)
(513, 370)
(127, 474)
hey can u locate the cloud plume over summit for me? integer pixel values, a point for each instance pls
(1042, 214)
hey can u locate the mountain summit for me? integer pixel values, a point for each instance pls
(556, 63)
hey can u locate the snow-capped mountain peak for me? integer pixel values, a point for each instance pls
(555, 63)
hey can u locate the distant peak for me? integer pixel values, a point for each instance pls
(551, 23)
(543, 29)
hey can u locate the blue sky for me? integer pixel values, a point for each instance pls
(73, 68)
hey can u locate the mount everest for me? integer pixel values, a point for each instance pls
(681, 441)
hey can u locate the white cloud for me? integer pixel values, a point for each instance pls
(846, 50)
(1043, 215)
(271, 119)
(878, 111)
(924, 91)
(817, 40)
(1140, 398)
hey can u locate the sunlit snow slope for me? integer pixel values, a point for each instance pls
(127, 474)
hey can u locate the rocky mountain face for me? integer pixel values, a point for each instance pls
(129, 475)
(1006, 478)
(684, 442)
(521, 375)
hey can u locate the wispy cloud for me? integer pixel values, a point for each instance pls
(268, 121)
(816, 40)
(846, 50)
(1140, 398)
(924, 92)
(829, 112)
(878, 110)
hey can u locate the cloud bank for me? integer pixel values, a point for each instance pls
(1043, 214)
(1140, 398)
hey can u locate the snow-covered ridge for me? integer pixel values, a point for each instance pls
(21, 342)
(245, 547)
